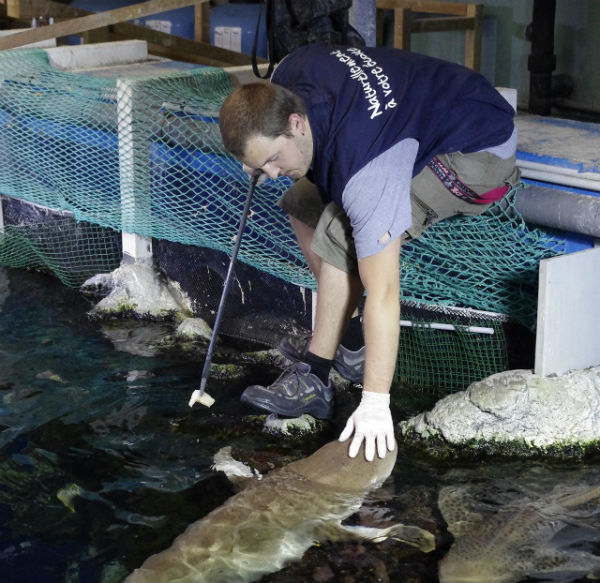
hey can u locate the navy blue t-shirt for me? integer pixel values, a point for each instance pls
(363, 101)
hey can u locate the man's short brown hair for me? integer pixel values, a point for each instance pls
(257, 109)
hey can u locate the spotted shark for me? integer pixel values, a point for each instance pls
(531, 536)
(274, 519)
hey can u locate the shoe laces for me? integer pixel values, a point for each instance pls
(289, 381)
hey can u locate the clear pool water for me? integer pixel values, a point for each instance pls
(102, 463)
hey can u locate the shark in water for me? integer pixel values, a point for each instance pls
(542, 537)
(276, 518)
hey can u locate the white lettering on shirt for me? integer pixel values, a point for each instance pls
(372, 78)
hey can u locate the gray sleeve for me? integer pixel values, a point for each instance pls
(377, 198)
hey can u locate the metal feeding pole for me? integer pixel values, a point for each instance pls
(199, 395)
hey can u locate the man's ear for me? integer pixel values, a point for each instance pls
(297, 123)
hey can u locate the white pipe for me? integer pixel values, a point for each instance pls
(440, 326)
(558, 175)
(434, 325)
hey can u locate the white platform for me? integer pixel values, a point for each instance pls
(559, 151)
(568, 323)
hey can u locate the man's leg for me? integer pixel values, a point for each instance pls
(305, 387)
(304, 235)
(338, 295)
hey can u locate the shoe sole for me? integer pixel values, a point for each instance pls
(271, 408)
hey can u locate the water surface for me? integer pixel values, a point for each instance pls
(102, 463)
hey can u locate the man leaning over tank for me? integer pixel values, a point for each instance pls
(381, 143)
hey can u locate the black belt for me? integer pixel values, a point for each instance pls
(459, 189)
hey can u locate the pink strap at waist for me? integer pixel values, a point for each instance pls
(492, 195)
(459, 189)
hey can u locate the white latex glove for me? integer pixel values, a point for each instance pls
(371, 422)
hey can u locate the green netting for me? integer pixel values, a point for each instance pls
(488, 262)
(71, 251)
(142, 154)
(442, 360)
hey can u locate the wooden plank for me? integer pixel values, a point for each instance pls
(159, 43)
(449, 16)
(92, 21)
(473, 38)
(568, 313)
(26, 9)
(403, 23)
(442, 24)
(456, 8)
(202, 23)
(179, 48)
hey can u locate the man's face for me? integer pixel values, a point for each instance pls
(281, 156)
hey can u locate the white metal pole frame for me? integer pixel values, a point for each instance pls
(133, 173)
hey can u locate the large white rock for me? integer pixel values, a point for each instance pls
(517, 406)
(138, 287)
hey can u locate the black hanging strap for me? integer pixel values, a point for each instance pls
(271, 41)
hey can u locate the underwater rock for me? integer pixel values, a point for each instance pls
(139, 288)
(113, 571)
(193, 328)
(274, 520)
(68, 494)
(517, 407)
(540, 537)
(51, 376)
(142, 338)
(293, 427)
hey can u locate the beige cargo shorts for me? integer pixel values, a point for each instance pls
(431, 202)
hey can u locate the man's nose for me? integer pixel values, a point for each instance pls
(270, 170)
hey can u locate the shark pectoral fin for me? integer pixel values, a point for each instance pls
(337, 532)
(238, 473)
(414, 536)
(411, 535)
